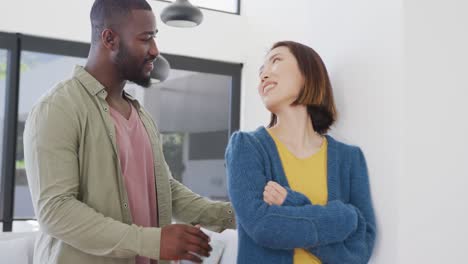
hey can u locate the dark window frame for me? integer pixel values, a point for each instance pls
(12, 43)
(16, 43)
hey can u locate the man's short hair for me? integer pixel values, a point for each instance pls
(109, 13)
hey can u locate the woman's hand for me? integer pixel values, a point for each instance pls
(274, 194)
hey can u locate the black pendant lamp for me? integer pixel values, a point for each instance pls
(182, 13)
(161, 69)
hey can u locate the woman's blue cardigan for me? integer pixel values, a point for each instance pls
(343, 231)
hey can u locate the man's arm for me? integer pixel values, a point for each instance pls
(194, 209)
(51, 154)
(191, 208)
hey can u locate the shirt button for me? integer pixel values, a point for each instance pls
(230, 220)
(230, 211)
(125, 205)
(105, 109)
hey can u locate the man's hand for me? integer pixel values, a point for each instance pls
(274, 194)
(181, 241)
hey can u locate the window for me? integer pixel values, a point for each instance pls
(35, 80)
(31, 60)
(192, 111)
(8, 78)
(229, 6)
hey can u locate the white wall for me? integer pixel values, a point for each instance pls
(433, 189)
(361, 43)
(70, 20)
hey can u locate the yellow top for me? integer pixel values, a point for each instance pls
(309, 177)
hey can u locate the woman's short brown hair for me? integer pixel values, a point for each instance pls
(317, 92)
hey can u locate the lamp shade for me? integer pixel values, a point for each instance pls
(161, 69)
(182, 13)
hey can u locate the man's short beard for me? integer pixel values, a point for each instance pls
(133, 74)
(143, 81)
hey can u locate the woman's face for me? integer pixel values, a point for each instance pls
(280, 79)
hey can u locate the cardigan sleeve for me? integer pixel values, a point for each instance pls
(294, 198)
(357, 248)
(279, 227)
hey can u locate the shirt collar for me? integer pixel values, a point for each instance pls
(95, 88)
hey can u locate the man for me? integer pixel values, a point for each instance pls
(101, 189)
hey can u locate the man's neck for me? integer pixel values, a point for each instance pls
(108, 76)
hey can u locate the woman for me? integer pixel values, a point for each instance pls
(300, 196)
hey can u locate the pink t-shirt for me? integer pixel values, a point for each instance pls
(136, 160)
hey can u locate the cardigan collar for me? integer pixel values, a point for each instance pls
(332, 160)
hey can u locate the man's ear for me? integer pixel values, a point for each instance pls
(110, 39)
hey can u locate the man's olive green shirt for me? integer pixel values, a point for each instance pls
(77, 187)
